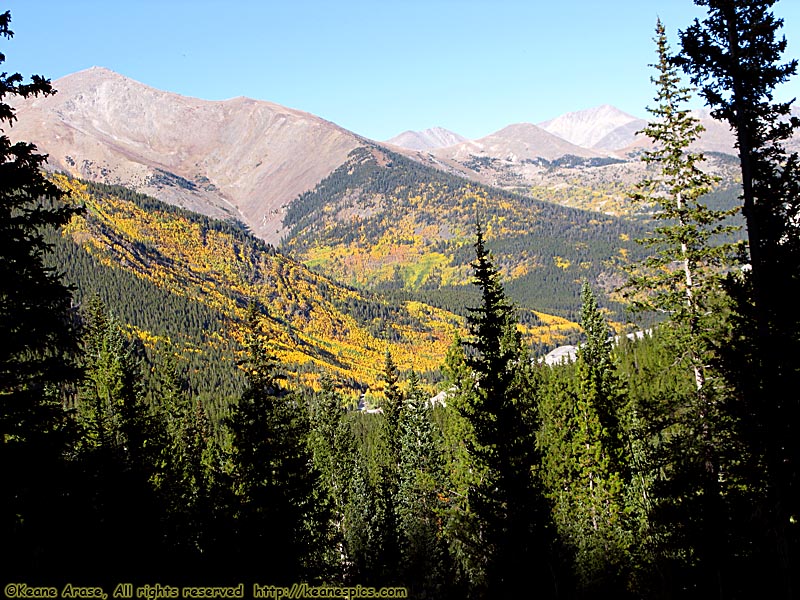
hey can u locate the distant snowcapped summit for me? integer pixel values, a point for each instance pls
(429, 139)
(603, 127)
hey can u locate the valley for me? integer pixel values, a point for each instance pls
(183, 282)
(389, 226)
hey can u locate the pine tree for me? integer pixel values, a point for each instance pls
(332, 447)
(35, 324)
(392, 404)
(509, 509)
(386, 474)
(583, 464)
(368, 539)
(118, 454)
(734, 56)
(111, 396)
(683, 280)
(418, 505)
(271, 470)
(39, 341)
(460, 521)
(184, 478)
(690, 230)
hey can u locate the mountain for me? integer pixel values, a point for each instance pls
(429, 139)
(516, 143)
(593, 127)
(510, 158)
(236, 158)
(717, 136)
(250, 160)
(622, 136)
(357, 211)
(265, 165)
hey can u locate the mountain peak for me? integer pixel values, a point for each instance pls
(240, 158)
(588, 127)
(95, 73)
(516, 142)
(428, 139)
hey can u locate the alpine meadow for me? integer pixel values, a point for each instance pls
(246, 352)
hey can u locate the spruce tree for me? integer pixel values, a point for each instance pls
(459, 520)
(35, 323)
(39, 341)
(185, 477)
(370, 536)
(119, 452)
(332, 447)
(386, 472)
(111, 396)
(583, 463)
(689, 233)
(418, 505)
(272, 471)
(683, 280)
(392, 404)
(734, 56)
(507, 501)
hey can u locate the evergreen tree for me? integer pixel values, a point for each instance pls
(583, 465)
(460, 521)
(392, 404)
(185, 477)
(683, 280)
(510, 513)
(418, 505)
(39, 342)
(272, 472)
(111, 396)
(734, 56)
(35, 324)
(690, 231)
(368, 540)
(118, 458)
(386, 475)
(332, 447)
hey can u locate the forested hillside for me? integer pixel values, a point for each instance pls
(183, 282)
(382, 221)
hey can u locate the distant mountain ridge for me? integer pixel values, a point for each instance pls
(251, 160)
(428, 139)
(239, 158)
(520, 141)
(591, 128)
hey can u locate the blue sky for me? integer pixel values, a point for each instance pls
(375, 67)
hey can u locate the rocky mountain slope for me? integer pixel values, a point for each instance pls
(237, 158)
(183, 281)
(385, 222)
